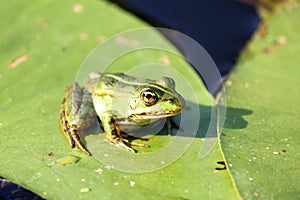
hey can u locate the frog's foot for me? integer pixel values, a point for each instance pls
(130, 143)
(71, 133)
(76, 141)
(170, 124)
(118, 138)
(128, 139)
(126, 144)
(115, 135)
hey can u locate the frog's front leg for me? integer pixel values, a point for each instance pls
(77, 113)
(170, 124)
(114, 134)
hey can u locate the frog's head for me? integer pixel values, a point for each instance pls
(156, 100)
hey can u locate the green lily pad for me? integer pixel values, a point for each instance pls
(263, 151)
(42, 46)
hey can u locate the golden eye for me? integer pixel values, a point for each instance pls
(149, 97)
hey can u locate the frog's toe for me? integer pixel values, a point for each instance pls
(138, 144)
(127, 145)
(122, 144)
(68, 135)
(78, 142)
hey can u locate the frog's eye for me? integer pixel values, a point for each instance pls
(149, 97)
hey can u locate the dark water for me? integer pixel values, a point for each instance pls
(222, 27)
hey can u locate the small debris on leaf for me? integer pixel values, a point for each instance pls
(116, 183)
(228, 83)
(85, 189)
(221, 163)
(77, 8)
(132, 183)
(255, 194)
(99, 171)
(67, 160)
(101, 38)
(281, 40)
(127, 42)
(42, 24)
(109, 166)
(164, 60)
(263, 30)
(83, 36)
(222, 134)
(16, 61)
(51, 154)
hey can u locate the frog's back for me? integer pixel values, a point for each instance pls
(123, 80)
(107, 83)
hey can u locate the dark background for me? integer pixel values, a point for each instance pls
(222, 27)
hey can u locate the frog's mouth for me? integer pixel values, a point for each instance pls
(155, 114)
(158, 111)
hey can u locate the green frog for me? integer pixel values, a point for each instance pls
(120, 102)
